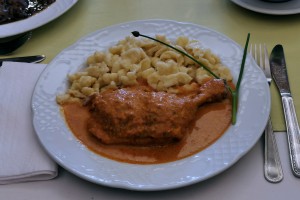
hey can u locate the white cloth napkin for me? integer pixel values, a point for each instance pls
(22, 158)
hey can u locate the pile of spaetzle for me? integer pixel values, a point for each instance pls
(134, 59)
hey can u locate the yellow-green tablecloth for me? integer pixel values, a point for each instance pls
(221, 15)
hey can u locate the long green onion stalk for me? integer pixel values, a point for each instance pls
(234, 93)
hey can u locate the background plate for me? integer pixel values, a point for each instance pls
(52, 12)
(66, 150)
(284, 8)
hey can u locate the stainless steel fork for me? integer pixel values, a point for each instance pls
(272, 165)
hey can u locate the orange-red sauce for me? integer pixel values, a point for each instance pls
(212, 121)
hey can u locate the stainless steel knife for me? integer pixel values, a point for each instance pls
(280, 76)
(27, 59)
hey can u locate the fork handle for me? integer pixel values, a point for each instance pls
(293, 133)
(273, 169)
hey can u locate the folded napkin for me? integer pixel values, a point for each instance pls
(22, 158)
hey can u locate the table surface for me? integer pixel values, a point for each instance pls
(245, 179)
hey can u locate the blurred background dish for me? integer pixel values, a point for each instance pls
(10, 44)
(45, 16)
(272, 8)
(276, 1)
(15, 10)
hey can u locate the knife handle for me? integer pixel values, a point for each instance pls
(293, 133)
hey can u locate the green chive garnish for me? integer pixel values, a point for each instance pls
(234, 93)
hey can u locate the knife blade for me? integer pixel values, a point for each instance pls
(280, 76)
(26, 59)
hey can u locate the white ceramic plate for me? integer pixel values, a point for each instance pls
(52, 12)
(284, 8)
(66, 150)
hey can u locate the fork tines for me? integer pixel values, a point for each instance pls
(260, 55)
